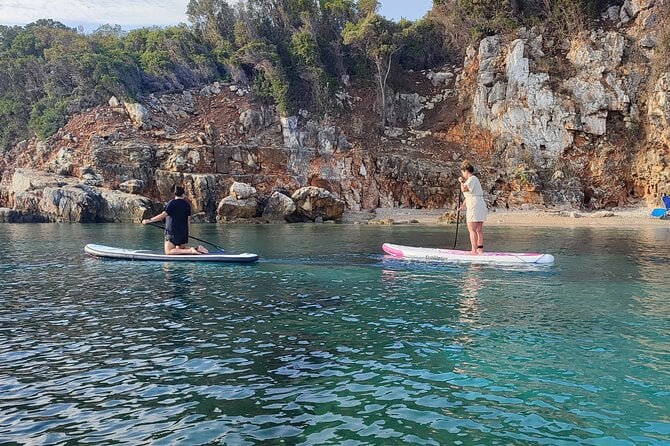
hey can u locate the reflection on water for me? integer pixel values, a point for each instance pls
(333, 343)
(468, 304)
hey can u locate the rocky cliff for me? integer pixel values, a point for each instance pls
(578, 122)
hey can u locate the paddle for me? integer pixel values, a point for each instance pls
(194, 238)
(458, 218)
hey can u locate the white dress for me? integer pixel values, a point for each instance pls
(474, 201)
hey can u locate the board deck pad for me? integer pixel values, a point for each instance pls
(142, 254)
(451, 255)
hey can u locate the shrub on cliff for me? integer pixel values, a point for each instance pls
(47, 116)
(466, 21)
(13, 115)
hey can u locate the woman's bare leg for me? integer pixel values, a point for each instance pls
(479, 229)
(473, 237)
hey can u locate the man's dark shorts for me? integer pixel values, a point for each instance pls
(175, 241)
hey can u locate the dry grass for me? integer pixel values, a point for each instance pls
(564, 18)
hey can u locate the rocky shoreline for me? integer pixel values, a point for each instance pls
(622, 218)
(40, 197)
(582, 123)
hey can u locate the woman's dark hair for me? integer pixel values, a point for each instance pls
(468, 167)
(178, 191)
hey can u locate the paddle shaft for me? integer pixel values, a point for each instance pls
(458, 218)
(194, 238)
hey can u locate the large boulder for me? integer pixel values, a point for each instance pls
(121, 207)
(242, 191)
(71, 203)
(279, 207)
(315, 203)
(62, 163)
(252, 121)
(138, 114)
(40, 196)
(441, 78)
(231, 208)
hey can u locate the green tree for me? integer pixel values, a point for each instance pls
(13, 115)
(379, 40)
(213, 20)
(46, 117)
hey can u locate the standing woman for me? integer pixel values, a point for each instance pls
(475, 206)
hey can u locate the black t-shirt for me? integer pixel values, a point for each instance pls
(176, 224)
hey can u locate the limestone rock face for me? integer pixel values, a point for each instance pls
(121, 160)
(279, 207)
(231, 208)
(516, 105)
(315, 202)
(71, 203)
(202, 190)
(569, 119)
(519, 106)
(653, 164)
(658, 107)
(597, 89)
(290, 131)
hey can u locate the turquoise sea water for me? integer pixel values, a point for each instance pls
(326, 341)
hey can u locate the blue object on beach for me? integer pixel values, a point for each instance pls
(658, 213)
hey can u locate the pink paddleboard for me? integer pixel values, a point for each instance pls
(450, 255)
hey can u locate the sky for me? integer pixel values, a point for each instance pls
(136, 13)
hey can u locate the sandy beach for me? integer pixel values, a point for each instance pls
(616, 218)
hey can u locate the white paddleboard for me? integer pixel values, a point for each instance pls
(450, 255)
(137, 254)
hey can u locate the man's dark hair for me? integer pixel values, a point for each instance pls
(467, 166)
(179, 191)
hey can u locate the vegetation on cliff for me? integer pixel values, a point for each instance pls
(293, 53)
